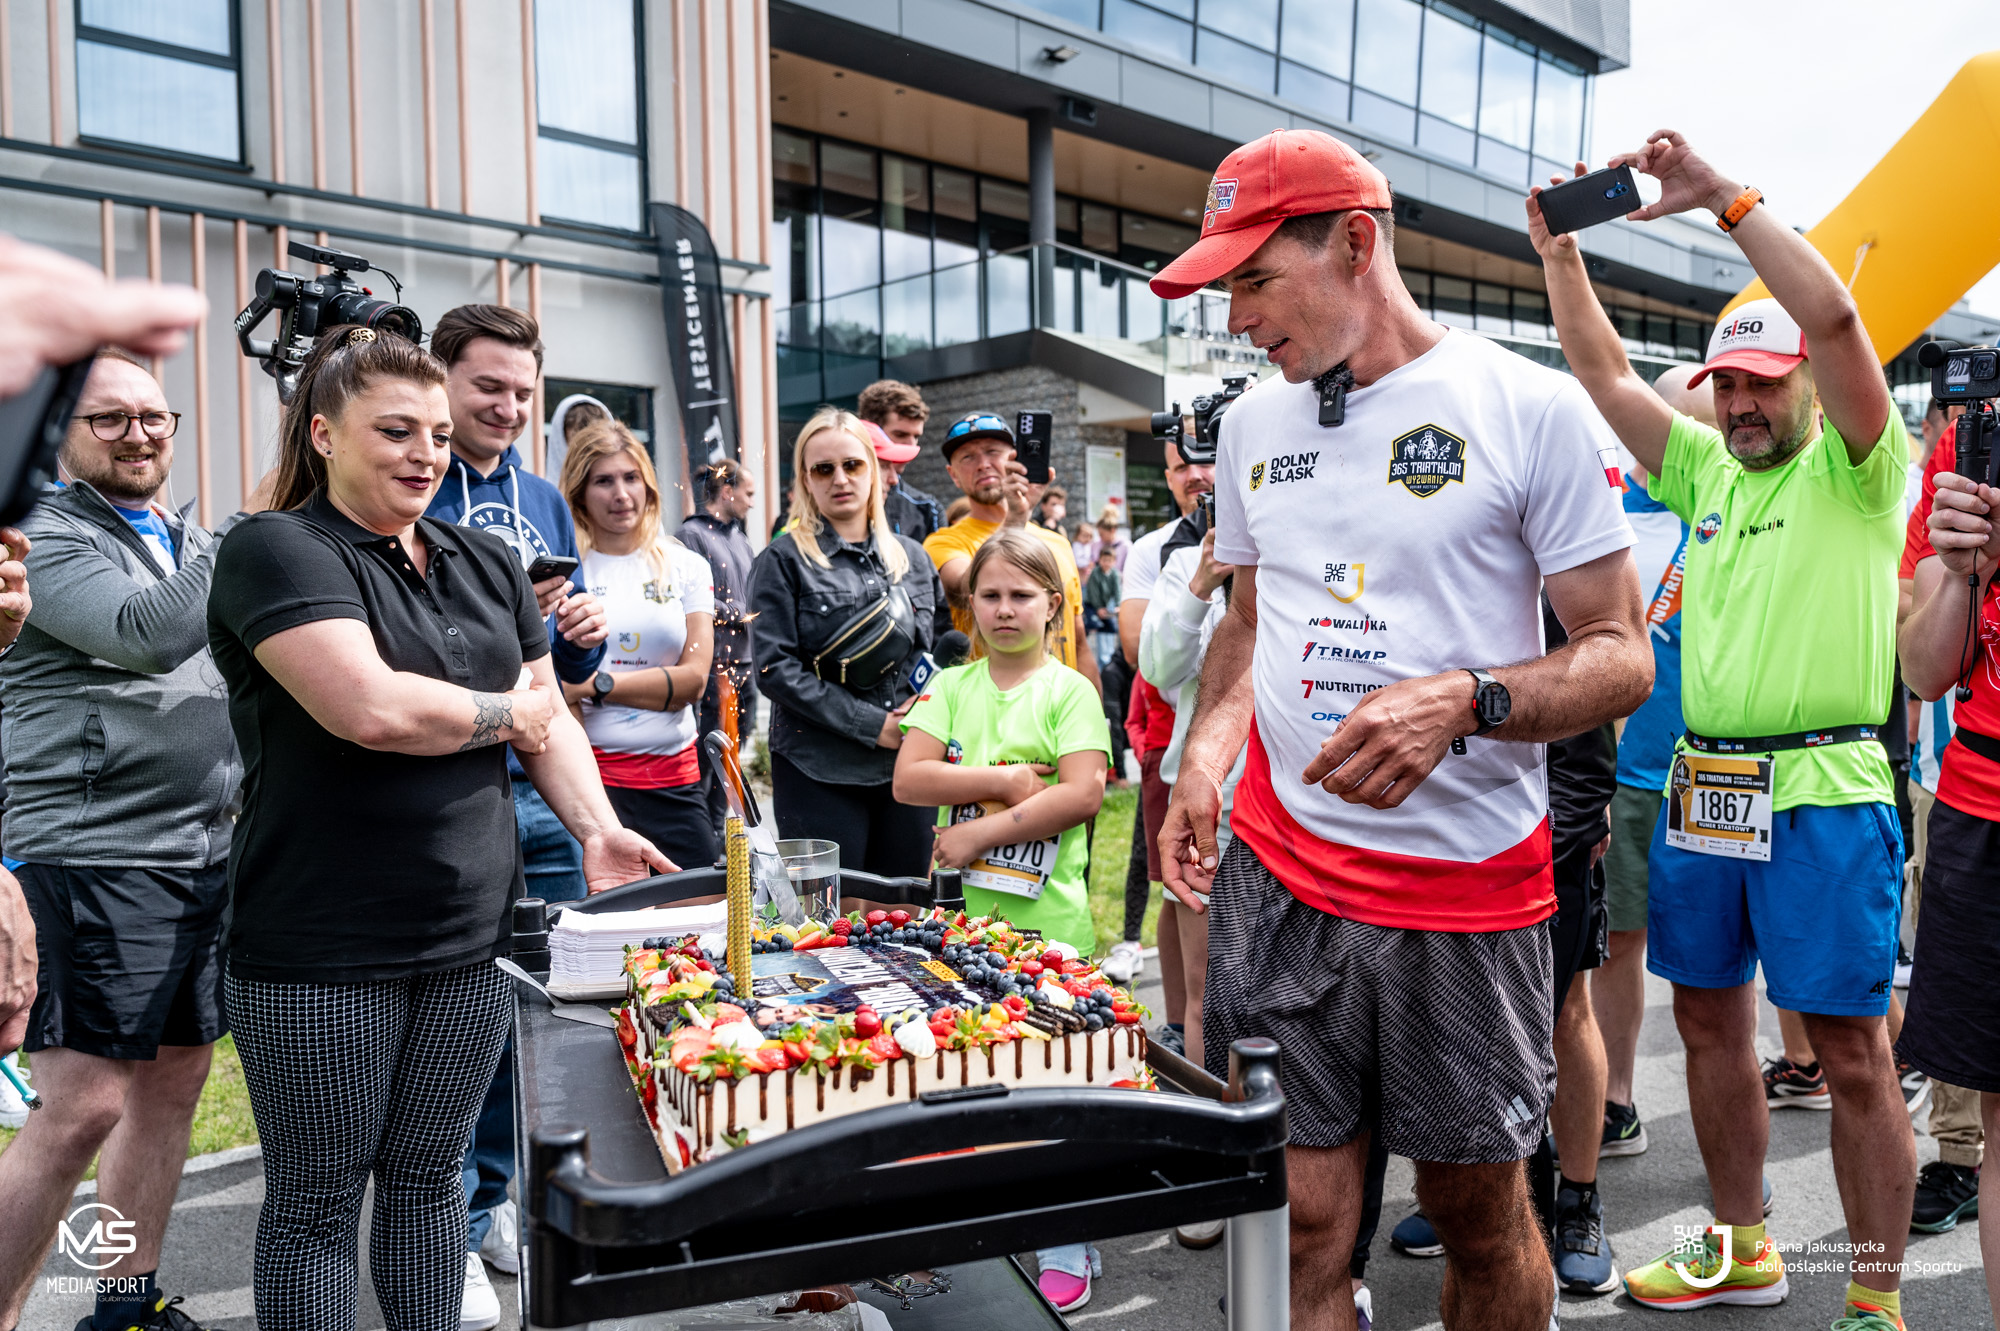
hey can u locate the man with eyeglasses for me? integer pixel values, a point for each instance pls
(979, 458)
(122, 776)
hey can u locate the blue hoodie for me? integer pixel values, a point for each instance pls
(529, 514)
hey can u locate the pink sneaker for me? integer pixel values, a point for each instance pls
(1065, 1291)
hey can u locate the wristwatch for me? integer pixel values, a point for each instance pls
(1491, 703)
(600, 686)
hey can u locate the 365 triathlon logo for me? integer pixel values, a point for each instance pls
(1426, 460)
(95, 1236)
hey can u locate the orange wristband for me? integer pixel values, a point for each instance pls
(1740, 208)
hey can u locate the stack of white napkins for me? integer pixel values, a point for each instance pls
(587, 951)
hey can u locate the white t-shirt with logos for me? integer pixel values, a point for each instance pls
(1142, 562)
(1409, 541)
(648, 619)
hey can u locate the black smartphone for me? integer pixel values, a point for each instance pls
(1588, 200)
(1031, 434)
(33, 424)
(551, 566)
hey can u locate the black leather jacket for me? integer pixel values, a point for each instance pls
(824, 729)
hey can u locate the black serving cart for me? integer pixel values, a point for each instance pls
(609, 1234)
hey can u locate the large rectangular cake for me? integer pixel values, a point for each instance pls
(864, 1012)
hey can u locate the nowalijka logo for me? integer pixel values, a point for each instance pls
(1424, 461)
(108, 1237)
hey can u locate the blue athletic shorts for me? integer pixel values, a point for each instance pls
(1821, 913)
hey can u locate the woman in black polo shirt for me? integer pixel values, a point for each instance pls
(377, 662)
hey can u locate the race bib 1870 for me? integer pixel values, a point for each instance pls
(1720, 806)
(1021, 869)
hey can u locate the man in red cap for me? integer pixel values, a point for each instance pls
(895, 414)
(1393, 504)
(1779, 841)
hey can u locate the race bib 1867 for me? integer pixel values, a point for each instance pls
(1720, 806)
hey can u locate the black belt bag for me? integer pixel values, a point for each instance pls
(1802, 739)
(864, 649)
(1985, 746)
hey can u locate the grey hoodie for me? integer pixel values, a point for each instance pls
(115, 725)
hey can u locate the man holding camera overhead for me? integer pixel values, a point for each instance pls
(1779, 841)
(1393, 503)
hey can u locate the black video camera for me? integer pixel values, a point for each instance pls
(1970, 375)
(1208, 408)
(309, 305)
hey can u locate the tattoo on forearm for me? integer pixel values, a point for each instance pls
(491, 714)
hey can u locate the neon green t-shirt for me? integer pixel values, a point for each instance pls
(1051, 713)
(1788, 605)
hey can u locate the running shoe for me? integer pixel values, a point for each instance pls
(1946, 1194)
(1624, 1134)
(479, 1308)
(1904, 964)
(13, 1109)
(501, 1246)
(164, 1315)
(1065, 1275)
(1204, 1235)
(1866, 1317)
(1916, 1088)
(1414, 1237)
(1364, 1309)
(1583, 1252)
(1126, 962)
(1169, 1039)
(1659, 1285)
(1789, 1086)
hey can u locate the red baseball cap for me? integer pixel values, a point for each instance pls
(1758, 337)
(1287, 173)
(887, 449)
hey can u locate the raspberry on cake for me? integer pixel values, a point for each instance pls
(858, 1013)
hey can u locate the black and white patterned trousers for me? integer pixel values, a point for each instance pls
(348, 1080)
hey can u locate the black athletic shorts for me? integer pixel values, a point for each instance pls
(1580, 930)
(1951, 1024)
(1441, 1043)
(129, 959)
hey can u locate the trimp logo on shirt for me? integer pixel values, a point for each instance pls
(1425, 460)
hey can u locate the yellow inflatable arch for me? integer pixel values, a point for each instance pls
(1924, 224)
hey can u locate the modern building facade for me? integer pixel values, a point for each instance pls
(969, 195)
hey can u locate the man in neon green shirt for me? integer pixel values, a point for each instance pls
(1779, 840)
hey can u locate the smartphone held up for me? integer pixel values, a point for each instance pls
(1590, 199)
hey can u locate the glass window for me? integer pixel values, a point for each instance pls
(588, 156)
(1100, 228)
(904, 254)
(1160, 240)
(1451, 301)
(850, 254)
(1144, 312)
(1003, 198)
(159, 76)
(1447, 140)
(1385, 48)
(1066, 226)
(1419, 284)
(1311, 89)
(851, 343)
(1451, 68)
(1319, 34)
(1531, 314)
(1509, 164)
(792, 158)
(1558, 109)
(1099, 305)
(1181, 8)
(1506, 92)
(1252, 21)
(850, 171)
(1149, 29)
(1691, 338)
(906, 217)
(956, 194)
(1234, 60)
(957, 304)
(906, 316)
(1006, 294)
(1083, 13)
(1489, 309)
(1064, 314)
(1391, 119)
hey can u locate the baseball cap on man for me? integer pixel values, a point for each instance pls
(1757, 337)
(1287, 173)
(887, 449)
(975, 425)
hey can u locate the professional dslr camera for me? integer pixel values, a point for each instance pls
(1970, 375)
(1208, 408)
(309, 305)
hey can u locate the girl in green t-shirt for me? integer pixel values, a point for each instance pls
(983, 739)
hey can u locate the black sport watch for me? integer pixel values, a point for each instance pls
(1491, 703)
(600, 686)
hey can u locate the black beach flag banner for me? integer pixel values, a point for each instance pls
(697, 335)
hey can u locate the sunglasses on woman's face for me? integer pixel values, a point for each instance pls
(823, 471)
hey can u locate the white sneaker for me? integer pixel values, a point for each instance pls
(13, 1109)
(1126, 962)
(502, 1244)
(479, 1310)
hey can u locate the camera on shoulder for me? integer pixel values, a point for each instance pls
(1169, 427)
(307, 305)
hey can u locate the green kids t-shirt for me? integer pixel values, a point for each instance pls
(1051, 713)
(1788, 604)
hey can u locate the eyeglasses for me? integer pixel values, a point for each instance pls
(823, 471)
(111, 426)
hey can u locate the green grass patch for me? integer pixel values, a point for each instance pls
(1111, 852)
(222, 1120)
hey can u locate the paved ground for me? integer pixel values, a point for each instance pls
(1152, 1283)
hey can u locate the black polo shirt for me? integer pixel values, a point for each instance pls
(351, 865)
